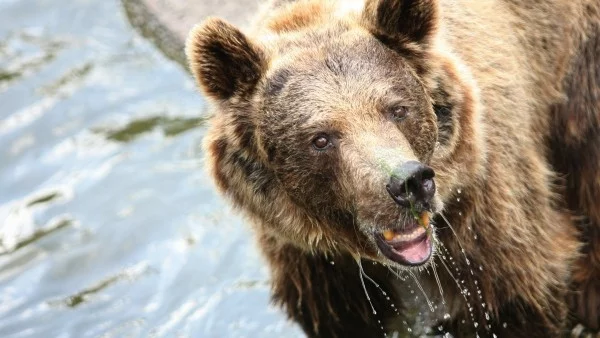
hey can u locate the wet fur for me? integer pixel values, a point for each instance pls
(575, 144)
(515, 88)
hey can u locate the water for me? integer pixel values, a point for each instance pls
(109, 226)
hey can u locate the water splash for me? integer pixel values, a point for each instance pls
(362, 274)
(387, 297)
(462, 249)
(362, 281)
(437, 280)
(422, 290)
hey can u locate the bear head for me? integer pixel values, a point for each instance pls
(338, 126)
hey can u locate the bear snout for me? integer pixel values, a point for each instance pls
(412, 186)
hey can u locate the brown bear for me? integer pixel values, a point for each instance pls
(414, 166)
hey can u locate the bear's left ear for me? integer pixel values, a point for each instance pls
(396, 21)
(223, 60)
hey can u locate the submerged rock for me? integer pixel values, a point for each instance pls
(167, 22)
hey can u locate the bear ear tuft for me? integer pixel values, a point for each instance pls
(223, 60)
(401, 20)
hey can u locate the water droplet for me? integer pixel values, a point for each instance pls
(494, 335)
(487, 316)
(409, 329)
(447, 316)
(332, 263)
(504, 325)
(458, 199)
(459, 191)
(476, 324)
(374, 312)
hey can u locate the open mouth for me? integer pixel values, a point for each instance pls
(411, 245)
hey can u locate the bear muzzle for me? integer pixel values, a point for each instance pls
(411, 186)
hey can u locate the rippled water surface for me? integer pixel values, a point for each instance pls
(108, 224)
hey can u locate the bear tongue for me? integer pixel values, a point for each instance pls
(415, 252)
(413, 247)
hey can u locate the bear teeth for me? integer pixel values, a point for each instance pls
(396, 236)
(389, 235)
(424, 219)
(410, 236)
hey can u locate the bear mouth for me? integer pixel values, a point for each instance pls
(411, 245)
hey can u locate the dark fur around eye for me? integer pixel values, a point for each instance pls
(397, 112)
(445, 122)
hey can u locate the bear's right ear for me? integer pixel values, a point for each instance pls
(401, 20)
(224, 62)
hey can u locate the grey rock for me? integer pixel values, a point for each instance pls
(167, 22)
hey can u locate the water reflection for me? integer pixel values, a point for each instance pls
(170, 126)
(108, 224)
(37, 235)
(24, 54)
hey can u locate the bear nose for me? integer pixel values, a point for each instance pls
(411, 185)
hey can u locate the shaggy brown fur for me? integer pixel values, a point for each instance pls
(575, 144)
(502, 101)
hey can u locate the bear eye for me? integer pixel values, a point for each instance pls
(321, 142)
(399, 113)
